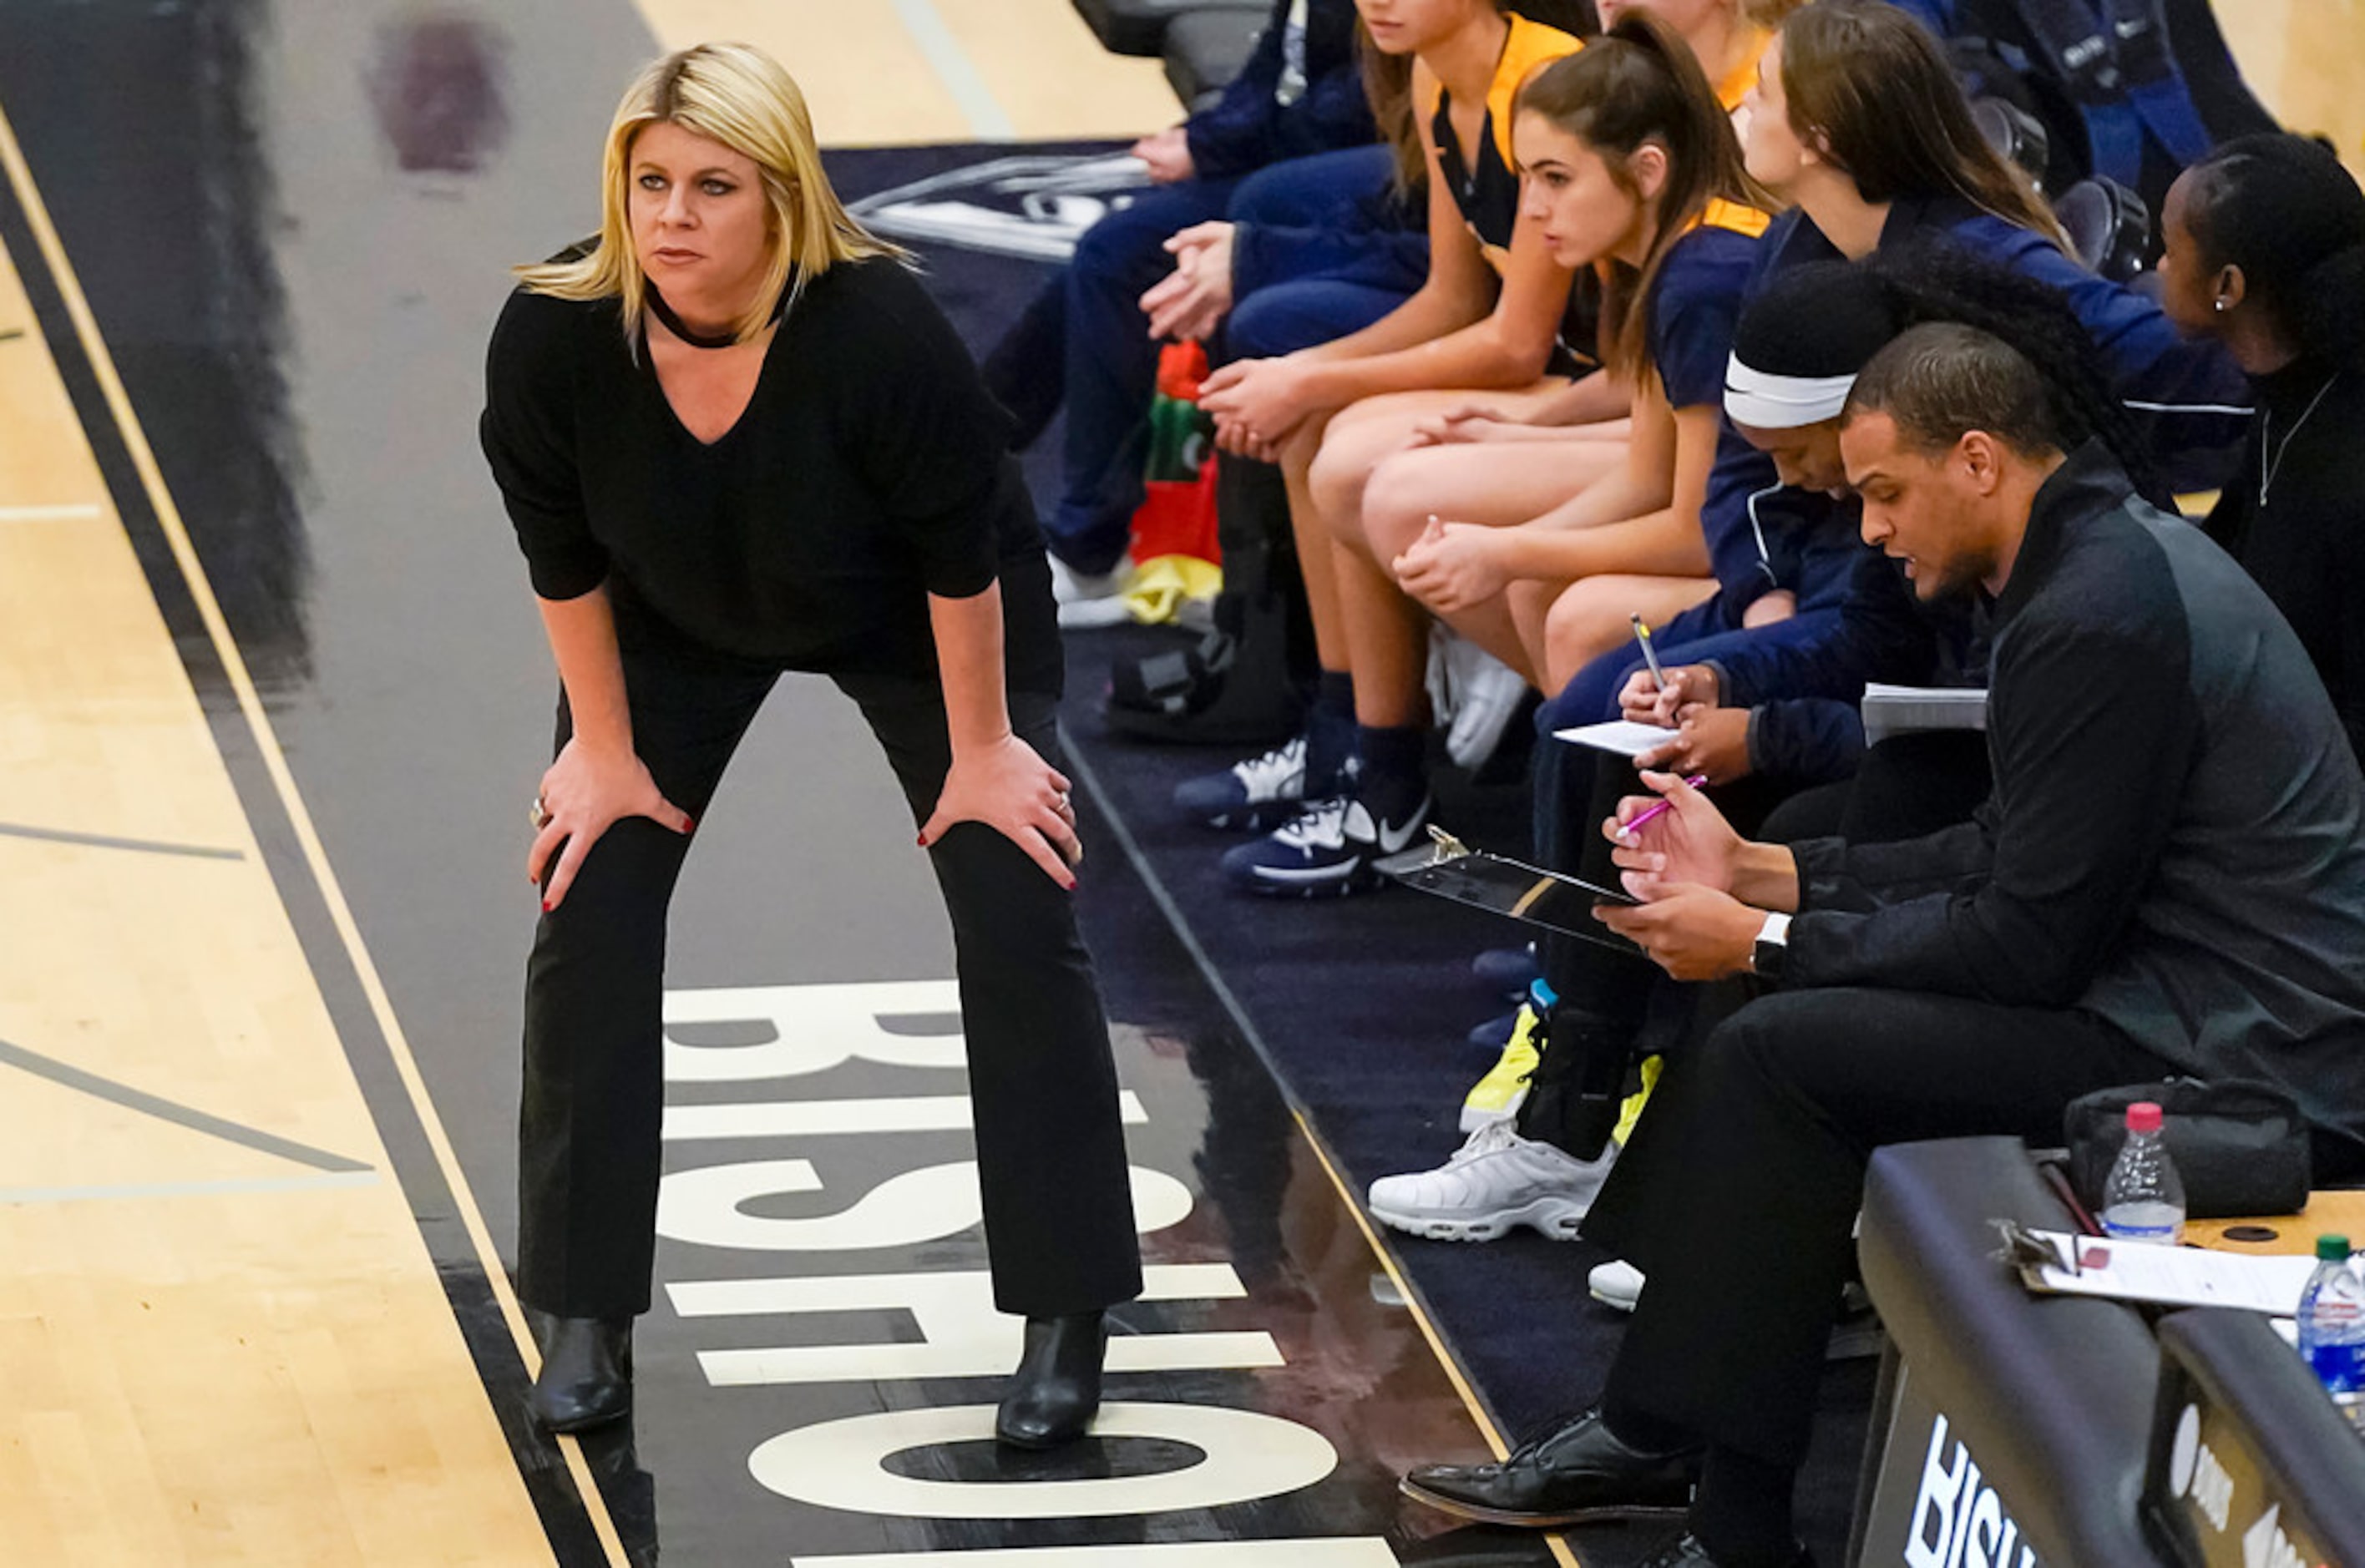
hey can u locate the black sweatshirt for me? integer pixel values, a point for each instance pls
(2305, 541)
(867, 472)
(2176, 840)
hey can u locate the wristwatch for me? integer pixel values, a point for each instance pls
(1765, 960)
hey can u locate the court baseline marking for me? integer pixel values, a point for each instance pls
(173, 1111)
(110, 841)
(233, 670)
(987, 117)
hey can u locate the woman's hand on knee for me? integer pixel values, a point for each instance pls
(1010, 789)
(584, 793)
(1462, 423)
(1453, 567)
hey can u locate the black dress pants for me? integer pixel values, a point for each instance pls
(1738, 1193)
(1058, 1210)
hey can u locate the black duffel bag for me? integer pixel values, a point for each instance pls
(2239, 1148)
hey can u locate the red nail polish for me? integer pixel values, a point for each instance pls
(689, 826)
(547, 906)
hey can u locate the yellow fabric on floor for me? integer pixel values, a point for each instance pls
(1160, 585)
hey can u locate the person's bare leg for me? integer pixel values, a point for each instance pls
(1312, 539)
(1500, 485)
(1364, 434)
(1618, 431)
(1528, 603)
(1387, 642)
(1596, 615)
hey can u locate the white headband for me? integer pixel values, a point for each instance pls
(1770, 402)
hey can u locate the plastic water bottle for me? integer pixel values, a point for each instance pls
(2332, 1326)
(2143, 1200)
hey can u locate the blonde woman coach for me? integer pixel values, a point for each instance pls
(737, 439)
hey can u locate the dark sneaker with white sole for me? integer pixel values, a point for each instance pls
(1328, 850)
(1255, 796)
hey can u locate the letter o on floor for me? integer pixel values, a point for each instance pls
(839, 1464)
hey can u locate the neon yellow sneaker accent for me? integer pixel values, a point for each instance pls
(1630, 1110)
(1497, 1096)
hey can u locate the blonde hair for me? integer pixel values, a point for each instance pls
(742, 99)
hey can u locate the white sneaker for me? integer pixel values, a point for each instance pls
(1087, 602)
(1255, 796)
(1491, 693)
(1616, 1283)
(1497, 1180)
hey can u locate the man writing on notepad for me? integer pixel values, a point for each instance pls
(2169, 877)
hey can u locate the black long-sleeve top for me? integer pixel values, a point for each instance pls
(867, 472)
(2176, 840)
(2303, 534)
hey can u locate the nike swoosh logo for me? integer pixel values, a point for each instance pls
(1393, 839)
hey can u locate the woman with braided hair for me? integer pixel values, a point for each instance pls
(1797, 346)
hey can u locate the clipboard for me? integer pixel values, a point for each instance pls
(1448, 868)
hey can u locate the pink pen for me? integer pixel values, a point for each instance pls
(1653, 813)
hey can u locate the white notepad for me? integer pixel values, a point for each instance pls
(1623, 736)
(2171, 1276)
(1907, 709)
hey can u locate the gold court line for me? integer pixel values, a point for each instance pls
(283, 779)
(1561, 1551)
(1130, 848)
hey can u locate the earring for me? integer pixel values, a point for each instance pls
(2219, 305)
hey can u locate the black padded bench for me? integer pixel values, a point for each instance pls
(2062, 1427)
(2034, 1413)
(1139, 26)
(1204, 50)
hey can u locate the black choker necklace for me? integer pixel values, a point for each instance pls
(674, 324)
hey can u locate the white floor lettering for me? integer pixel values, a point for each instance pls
(703, 1207)
(961, 1335)
(826, 1119)
(815, 1027)
(777, 1032)
(839, 1464)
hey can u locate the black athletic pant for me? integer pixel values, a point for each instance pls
(1058, 1210)
(1738, 1192)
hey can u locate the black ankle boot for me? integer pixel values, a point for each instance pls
(587, 1371)
(1056, 1391)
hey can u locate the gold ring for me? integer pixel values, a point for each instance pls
(538, 814)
